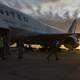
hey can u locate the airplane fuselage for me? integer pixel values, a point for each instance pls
(22, 24)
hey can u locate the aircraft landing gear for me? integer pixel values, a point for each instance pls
(20, 49)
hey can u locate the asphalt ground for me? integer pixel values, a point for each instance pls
(34, 66)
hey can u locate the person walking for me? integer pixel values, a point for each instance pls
(53, 50)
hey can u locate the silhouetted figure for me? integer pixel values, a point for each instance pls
(2, 48)
(4, 43)
(53, 50)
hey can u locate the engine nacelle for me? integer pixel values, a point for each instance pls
(71, 42)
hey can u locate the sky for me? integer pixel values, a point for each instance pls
(49, 11)
(63, 8)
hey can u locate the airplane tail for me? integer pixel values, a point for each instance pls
(72, 28)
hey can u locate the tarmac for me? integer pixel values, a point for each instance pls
(34, 66)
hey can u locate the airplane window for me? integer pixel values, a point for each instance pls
(13, 14)
(25, 19)
(1, 11)
(7, 13)
(19, 17)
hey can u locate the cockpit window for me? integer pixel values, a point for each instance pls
(19, 17)
(25, 19)
(1, 12)
(12, 14)
(7, 13)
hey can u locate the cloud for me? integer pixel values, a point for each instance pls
(63, 8)
(44, 1)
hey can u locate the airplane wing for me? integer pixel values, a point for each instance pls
(46, 38)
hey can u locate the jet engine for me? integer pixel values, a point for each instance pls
(71, 42)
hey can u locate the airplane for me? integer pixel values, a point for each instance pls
(70, 39)
(24, 28)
